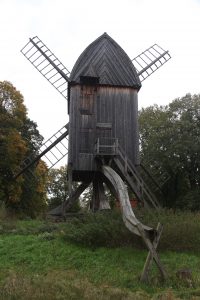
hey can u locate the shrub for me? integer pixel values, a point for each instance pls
(191, 200)
(104, 228)
(180, 233)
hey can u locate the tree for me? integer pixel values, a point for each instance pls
(12, 146)
(33, 198)
(34, 182)
(19, 138)
(57, 187)
(170, 141)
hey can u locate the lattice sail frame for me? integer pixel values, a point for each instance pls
(150, 60)
(41, 57)
(52, 151)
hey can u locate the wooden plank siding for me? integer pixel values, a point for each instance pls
(101, 111)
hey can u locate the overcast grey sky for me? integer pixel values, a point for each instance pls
(67, 27)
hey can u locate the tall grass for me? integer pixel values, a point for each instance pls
(96, 257)
(106, 229)
(181, 230)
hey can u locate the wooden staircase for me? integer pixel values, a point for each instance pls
(110, 152)
(133, 178)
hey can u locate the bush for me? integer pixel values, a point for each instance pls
(180, 233)
(3, 211)
(181, 229)
(104, 228)
(191, 201)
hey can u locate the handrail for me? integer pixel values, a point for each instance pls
(113, 147)
(128, 166)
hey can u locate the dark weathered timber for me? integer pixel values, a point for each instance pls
(107, 61)
(101, 112)
(74, 196)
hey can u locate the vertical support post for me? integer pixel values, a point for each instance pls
(99, 200)
(95, 196)
(70, 190)
(69, 179)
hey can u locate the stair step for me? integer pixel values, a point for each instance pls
(134, 180)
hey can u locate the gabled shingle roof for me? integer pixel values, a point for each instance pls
(105, 59)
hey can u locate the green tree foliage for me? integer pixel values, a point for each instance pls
(12, 146)
(19, 137)
(170, 141)
(57, 187)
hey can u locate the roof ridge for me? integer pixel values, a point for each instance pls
(111, 64)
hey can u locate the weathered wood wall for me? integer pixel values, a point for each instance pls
(101, 111)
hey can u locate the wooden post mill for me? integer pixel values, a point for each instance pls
(102, 132)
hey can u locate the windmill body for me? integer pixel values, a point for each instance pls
(102, 92)
(102, 107)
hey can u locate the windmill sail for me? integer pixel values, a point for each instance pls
(150, 60)
(47, 64)
(52, 151)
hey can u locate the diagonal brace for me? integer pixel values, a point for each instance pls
(75, 195)
(152, 255)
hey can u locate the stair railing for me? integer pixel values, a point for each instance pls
(130, 170)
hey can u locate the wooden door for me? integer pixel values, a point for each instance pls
(87, 119)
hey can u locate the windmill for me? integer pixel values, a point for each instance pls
(103, 147)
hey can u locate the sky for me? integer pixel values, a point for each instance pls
(68, 27)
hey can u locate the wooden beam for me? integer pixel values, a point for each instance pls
(152, 253)
(149, 260)
(131, 222)
(75, 195)
(69, 177)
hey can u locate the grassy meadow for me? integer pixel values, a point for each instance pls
(93, 256)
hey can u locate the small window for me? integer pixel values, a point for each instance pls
(89, 80)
